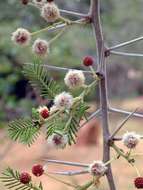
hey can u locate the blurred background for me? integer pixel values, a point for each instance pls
(122, 21)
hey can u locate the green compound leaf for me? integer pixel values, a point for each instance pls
(38, 78)
(67, 122)
(24, 131)
(11, 180)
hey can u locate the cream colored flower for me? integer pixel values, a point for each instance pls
(58, 141)
(21, 36)
(63, 100)
(97, 168)
(74, 79)
(40, 47)
(50, 12)
(130, 139)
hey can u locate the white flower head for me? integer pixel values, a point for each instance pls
(97, 168)
(58, 141)
(74, 79)
(130, 139)
(21, 36)
(63, 100)
(40, 47)
(50, 12)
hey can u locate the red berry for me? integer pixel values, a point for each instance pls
(25, 178)
(88, 61)
(24, 2)
(139, 182)
(45, 113)
(37, 170)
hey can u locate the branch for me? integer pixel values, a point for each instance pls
(126, 54)
(95, 114)
(73, 13)
(70, 173)
(120, 138)
(125, 43)
(115, 110)
(66, 163)
(95, 13)
(122, 124)
(55, 68)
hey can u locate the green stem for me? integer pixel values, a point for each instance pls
(57, 36)
(86, 186)
(61, 181)
(44, 29)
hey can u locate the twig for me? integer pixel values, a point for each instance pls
(122, 124)
(126, 43)
(72, 13)
(126, 54)
(115, 110)
(120, 138)
(55, 68)
(70, 173)
(95, 114)
(61, 181)
(66, 163)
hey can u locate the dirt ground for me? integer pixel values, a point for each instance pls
(22, 158)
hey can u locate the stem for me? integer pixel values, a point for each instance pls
(126, 54)
(126, 43)
(57, 36)
(95, 13)
(61, 181)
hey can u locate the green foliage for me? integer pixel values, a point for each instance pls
(38, 77)
(11, 180)
(67, 122)
(25, 131)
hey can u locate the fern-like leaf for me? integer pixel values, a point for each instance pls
(38, 78)
(68, 122)
(11, 180)
(24, 131)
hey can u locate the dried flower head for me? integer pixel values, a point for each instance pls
(44, 112)
(21, 36)
(58, 141)
(130, 139)
(50, 12)
(40, 47)
(97, 168)
(63, 100)
(74, 79)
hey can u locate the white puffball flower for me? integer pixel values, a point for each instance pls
(40, 47)
(97, 168)
(74, 79)
(50, 12)
(63, 100)
(57, 141)
(21, 37)
(130, 139)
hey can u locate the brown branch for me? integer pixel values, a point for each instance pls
(122, 124)
(95, 13)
